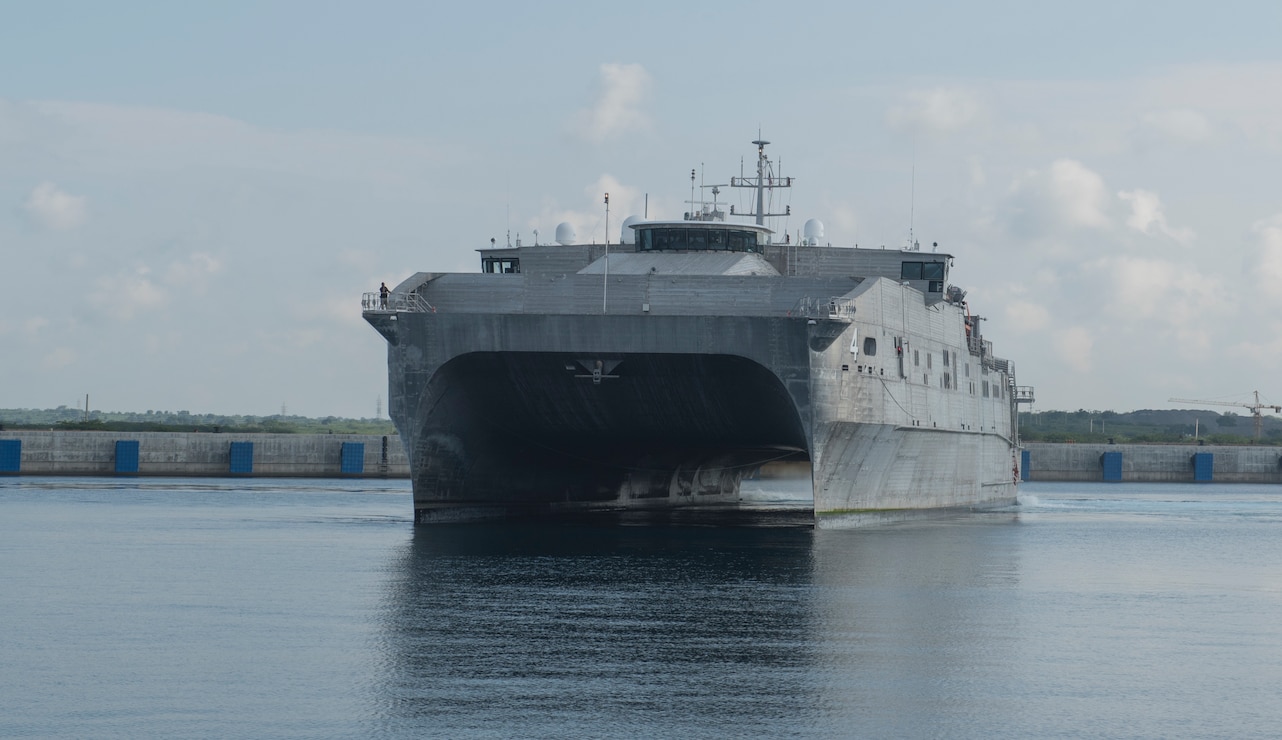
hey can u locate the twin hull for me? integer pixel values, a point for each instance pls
(515, 414)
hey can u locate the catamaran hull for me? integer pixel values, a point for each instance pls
(875, 473)
(529, 416)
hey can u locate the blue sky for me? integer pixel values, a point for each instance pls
(194, 196)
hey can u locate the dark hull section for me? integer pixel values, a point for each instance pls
(519, 433)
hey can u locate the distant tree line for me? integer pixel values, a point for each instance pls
(1143, 426)
(1147, 426)
(68, 418)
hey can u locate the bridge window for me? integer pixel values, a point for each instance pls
(697, 239)
(933, 271)
(500, 265)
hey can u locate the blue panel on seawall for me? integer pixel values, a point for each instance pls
(1112, 464)
(353, 458)
(242, 457)
(1203, 466)
(126, 456)
(10, 455)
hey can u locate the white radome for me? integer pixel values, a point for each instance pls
(628, 236)
(812, 232)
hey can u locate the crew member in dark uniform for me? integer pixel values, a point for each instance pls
(382, 295)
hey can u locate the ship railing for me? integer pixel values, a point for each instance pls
(998, 364)
(983, 348)
(839, 309)
(1023, 394)
(404, 302)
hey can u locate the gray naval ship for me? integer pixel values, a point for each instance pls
(659, 370)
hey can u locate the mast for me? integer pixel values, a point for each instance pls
(765, 180)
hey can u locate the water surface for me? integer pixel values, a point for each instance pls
(203, 608)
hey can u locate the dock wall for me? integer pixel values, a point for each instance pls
(202, 454)
(194, 454)
(1152, 463)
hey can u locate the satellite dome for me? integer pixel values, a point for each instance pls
(628, 236)
(812, 232)
(565, 233)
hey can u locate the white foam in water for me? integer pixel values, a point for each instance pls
(1028, 499)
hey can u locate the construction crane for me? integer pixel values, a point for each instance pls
(1255, 408)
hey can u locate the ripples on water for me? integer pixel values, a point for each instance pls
(201, 608)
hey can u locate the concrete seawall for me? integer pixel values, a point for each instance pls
(202, 454)
(1152, 463)
(364, 456)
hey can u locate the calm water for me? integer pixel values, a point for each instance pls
(198, 608)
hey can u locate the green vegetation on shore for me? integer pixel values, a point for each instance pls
(1147, 426)
(1143, 426)
(67, 418)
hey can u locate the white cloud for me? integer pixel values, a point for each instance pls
(589, 222)
(1162, 298)
(54, 208)
(192, 272)
(1263, 346)
(977, 175)
(1231, 93)
(617, 110)
(1147, 216)
(1180, 124)
(939, 111)
(1066, 196)
(1074, 346)
(1024, 317)
(126, 294)
(59, 358)
(1264, 260)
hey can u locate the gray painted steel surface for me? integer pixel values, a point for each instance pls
(557, 388)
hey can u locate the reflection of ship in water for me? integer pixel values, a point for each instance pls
(543, 630)
(654, 372)
(704, 631)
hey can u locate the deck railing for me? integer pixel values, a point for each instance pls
(841, 309)
(411, 302)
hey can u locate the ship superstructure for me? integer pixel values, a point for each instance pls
(658, 370)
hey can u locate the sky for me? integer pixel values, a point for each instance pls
(194, 196)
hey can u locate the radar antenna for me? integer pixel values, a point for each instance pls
(765, 180)
(699, 209)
